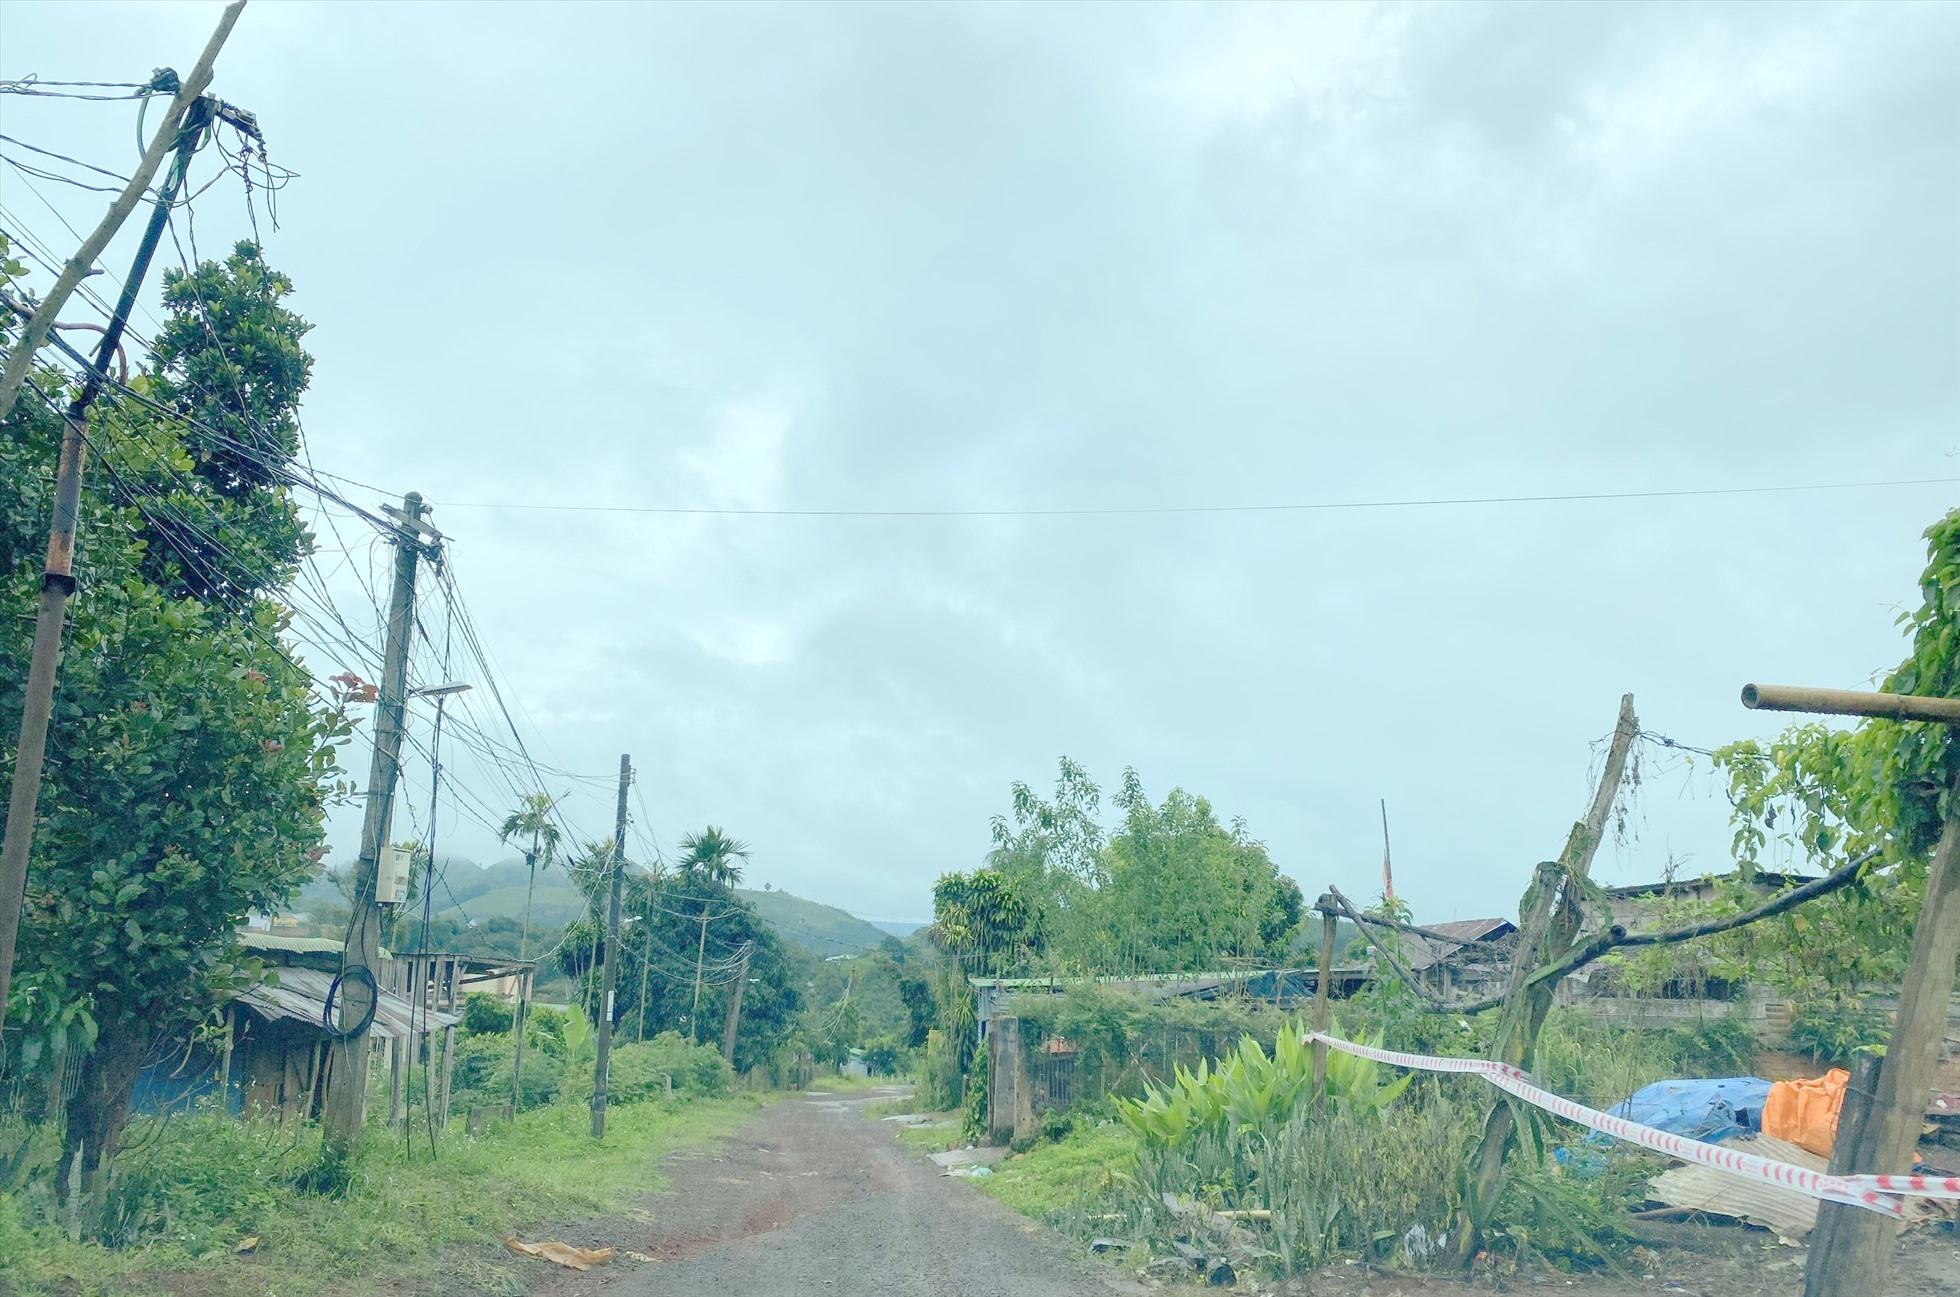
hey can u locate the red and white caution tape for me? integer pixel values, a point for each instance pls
(1872, 1192)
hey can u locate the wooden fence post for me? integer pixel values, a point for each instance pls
(1322, 1007)
(441, 1116)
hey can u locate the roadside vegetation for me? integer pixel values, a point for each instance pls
(1235, 1156)
(231, 1200)
(1195, 1126)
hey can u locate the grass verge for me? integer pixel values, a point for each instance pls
(851, 1084)
(198, 1190)
(1052, 1180)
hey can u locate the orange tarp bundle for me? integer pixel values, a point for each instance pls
(1806, 1112)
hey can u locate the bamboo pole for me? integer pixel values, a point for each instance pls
(1851, 702)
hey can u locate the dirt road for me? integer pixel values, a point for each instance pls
(813, 1198)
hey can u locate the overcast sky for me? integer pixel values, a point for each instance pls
(1051, 257)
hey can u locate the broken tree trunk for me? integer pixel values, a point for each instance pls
(1551, 918)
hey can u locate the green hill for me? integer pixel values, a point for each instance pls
(469, 891)
(822, 930)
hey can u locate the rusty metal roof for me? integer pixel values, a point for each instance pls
(1425, 952)
(301, 996)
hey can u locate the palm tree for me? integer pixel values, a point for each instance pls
(714, 856)
(532, 818)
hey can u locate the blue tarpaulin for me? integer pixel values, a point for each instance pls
(1709, 1111)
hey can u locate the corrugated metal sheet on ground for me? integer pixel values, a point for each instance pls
(302, 996)
(1786, 1213)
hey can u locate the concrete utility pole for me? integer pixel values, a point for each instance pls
(646, 967)
(700, 957)
(347, 1087)
(58, 574)
(176, 120)
(602, 1064)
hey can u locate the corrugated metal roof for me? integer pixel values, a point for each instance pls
(294, 945)
(1769, 881)
(1425, 952)
(301, 996)
(1785, 1212)
(1141, 979)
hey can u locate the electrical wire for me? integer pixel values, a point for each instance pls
(1314, 506)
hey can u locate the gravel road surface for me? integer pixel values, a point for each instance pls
(813, 1197)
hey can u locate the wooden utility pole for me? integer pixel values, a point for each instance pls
(170, 134)
(1551, 919)
(58, 572)
(735, 1008)
(602, 1064)
(347, 1088)
(1322, 991)
(1822, 1246)
(1853, 1248)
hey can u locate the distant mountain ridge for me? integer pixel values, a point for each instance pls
(467, 891)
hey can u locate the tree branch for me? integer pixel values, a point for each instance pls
(1431, 933)
(1346, 907)
(1614, 938)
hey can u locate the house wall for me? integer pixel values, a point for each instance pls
(276, 1066)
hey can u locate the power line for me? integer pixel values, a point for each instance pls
(1313, 506)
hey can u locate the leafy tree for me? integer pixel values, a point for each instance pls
(658, 949)
(191, 757)
(1185, 893)
(988, 921)
(1822, 796)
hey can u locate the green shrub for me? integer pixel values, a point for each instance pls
(973, 1105)
(205, 1180)
(637, 1069)
(1833, 1027)
(1719, 1047)
(882, 1055)
(482, 1070)
(1057, 1124)
(940, 1087)
(476, 1057)
(485, 1015)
